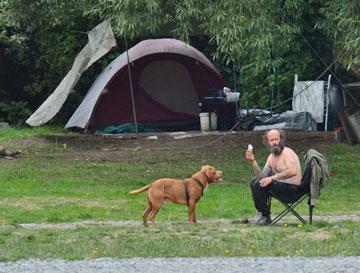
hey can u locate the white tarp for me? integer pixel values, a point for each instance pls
(101, 40)
(309, 97)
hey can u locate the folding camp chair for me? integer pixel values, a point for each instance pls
(290, 207)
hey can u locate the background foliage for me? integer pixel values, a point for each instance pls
(257, 45)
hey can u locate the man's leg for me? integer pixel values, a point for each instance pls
(285, 192)
(260, 197)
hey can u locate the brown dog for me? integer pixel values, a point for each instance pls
(185, 192)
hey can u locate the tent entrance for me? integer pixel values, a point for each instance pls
(169, 83)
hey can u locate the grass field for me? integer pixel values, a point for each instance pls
(64, 177)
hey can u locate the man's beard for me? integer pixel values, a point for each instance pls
(276, 149)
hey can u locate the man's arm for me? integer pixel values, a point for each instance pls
(250, 156)
(267, 171)
(261, 173)
(257, 171)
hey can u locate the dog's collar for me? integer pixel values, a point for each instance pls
(200, 184)
(186, 188)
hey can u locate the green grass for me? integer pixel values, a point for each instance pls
(181, 240)
(55, 183)
(12, 133)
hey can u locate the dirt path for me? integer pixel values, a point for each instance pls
(318, 218)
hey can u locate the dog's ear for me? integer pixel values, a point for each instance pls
(208, 170)
(204, 169)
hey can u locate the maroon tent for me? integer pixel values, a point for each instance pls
(169, 80)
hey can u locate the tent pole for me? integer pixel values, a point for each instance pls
(235, 87)
(234, 71)
(131, 87)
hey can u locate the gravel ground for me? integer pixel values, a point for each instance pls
(335, 264)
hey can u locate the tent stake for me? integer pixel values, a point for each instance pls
(131, 87)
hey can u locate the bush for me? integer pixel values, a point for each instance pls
(14, 112)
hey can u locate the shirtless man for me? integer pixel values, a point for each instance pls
(280, 177)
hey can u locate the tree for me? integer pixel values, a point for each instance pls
(265, 42)
(39, 40)
(257, 37)
(341, 23)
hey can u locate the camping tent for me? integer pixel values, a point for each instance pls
(169, 79)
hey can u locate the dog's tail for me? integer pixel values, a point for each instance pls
(140, 190)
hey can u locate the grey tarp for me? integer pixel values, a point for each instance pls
(101, 40)
(259, 120)
(289, 120)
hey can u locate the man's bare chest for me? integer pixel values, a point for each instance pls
(278, 164)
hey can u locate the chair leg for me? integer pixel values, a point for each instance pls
(290, 208)
(297, 215)
(280, 215)
(310, 214)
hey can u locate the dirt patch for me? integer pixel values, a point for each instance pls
(33, 203)
(26, 203)
(125, 147)
(317, 235)
(320, 235)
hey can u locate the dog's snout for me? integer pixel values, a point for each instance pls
(220, 176)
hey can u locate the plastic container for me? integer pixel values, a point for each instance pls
(206, 123)
(213, 121)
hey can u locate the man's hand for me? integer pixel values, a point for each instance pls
(249, 155)
(265, 181)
